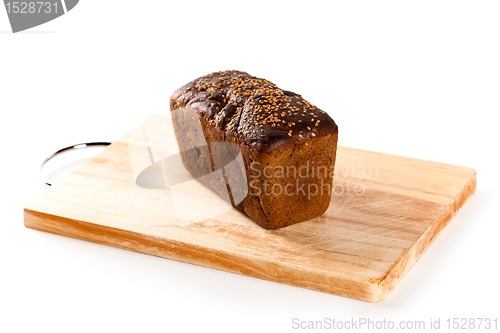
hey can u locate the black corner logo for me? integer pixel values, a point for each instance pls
(25, 15)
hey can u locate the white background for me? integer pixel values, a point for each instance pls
(419, 79)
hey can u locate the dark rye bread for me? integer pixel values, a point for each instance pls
(278, 132)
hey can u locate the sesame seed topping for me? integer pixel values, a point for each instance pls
(259, 104)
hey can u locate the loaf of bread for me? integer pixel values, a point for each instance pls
(288, 144)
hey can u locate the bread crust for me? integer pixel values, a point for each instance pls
(275, 130)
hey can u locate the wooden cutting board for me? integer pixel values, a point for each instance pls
(390, 210)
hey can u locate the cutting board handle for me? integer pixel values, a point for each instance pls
(46, 180)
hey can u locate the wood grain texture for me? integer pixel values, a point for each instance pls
(390, 210)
